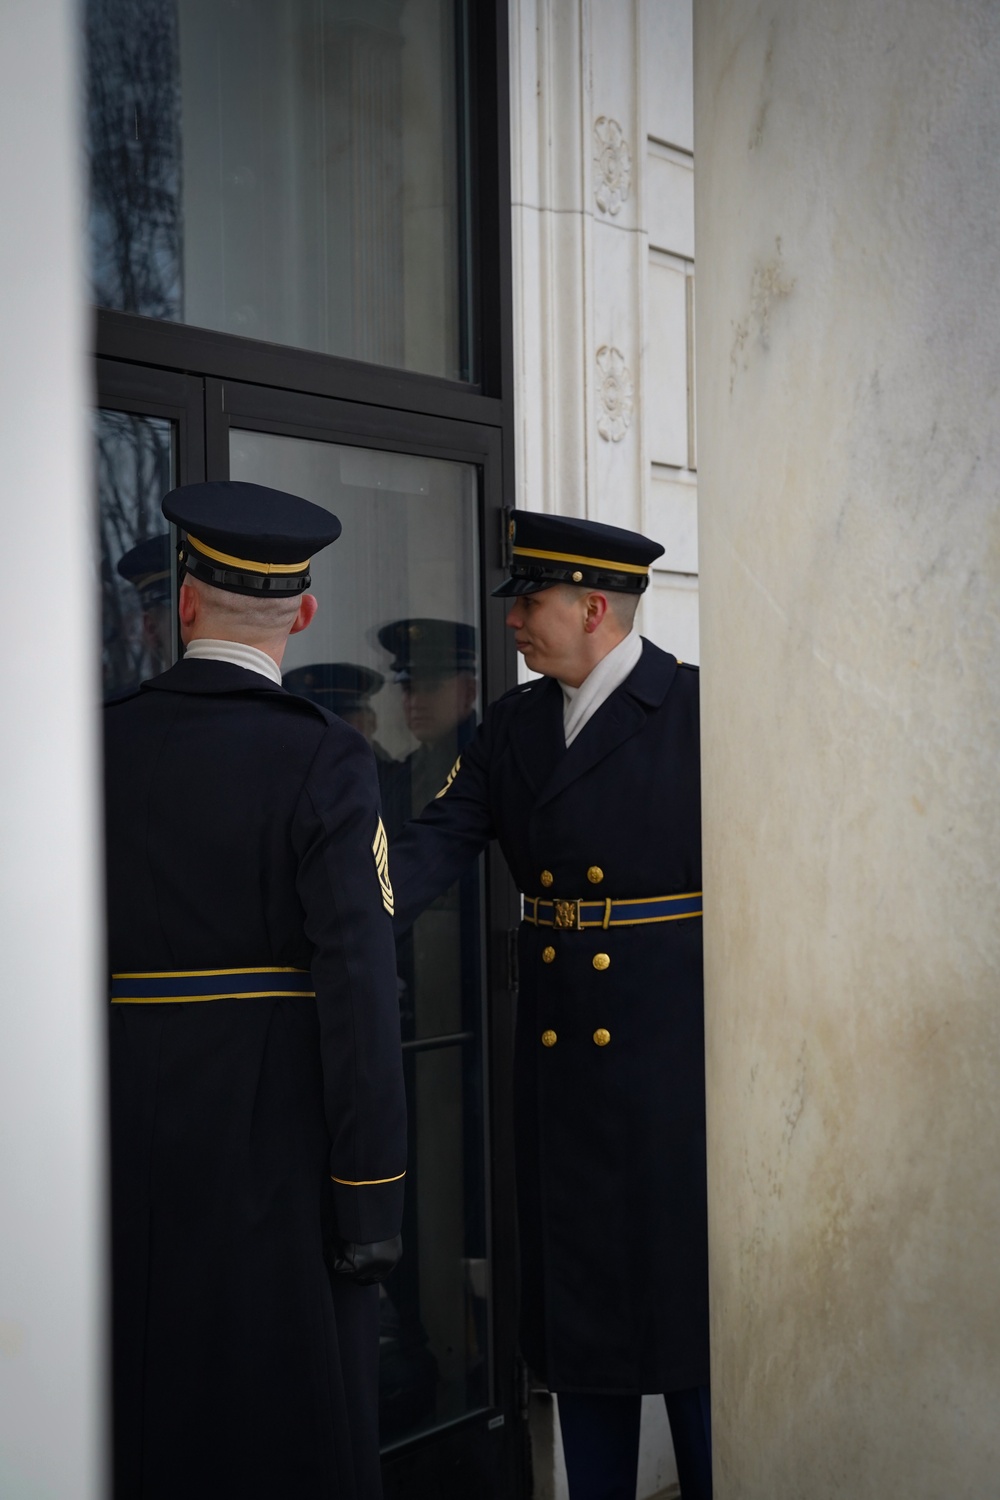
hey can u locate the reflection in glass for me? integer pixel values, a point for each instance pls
(284, 169)
(135, 469)
(394, 648)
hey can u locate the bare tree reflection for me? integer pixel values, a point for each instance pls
(133, 125)
(134, 471)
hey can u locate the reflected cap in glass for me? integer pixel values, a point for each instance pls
(247, 538)
(546, 550)
(341, 686)
(146, 566)
(426, 649)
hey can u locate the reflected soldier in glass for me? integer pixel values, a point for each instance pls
(434, 663)
(145, 644)
(432, 1344)
(346, 689)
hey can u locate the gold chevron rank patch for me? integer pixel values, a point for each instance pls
(380, 849)
(451, 777)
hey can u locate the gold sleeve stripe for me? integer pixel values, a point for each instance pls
(245, 564)
(205, 973)
(451, 777)
(368, 1182)
(380, 849)
(222, 995)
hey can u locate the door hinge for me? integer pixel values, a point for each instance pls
(523, 1380)
(506, 536)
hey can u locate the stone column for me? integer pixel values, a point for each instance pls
(53, 993)
(848, 219)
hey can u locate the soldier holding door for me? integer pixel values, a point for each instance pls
(589, 778)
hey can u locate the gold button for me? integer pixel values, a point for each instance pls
(601, 961)
(578, 576)
(548, 954)
(595, 874)
(548, 1038)
(601, 1037)
(547, 877)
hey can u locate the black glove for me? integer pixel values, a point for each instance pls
(367, 1264)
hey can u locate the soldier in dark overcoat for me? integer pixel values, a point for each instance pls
(589, 778)
(258, 1121)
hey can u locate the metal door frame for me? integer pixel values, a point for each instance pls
(484, 1453)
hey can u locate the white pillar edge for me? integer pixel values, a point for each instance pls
(52, 1313)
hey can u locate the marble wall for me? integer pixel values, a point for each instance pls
(603, 240)
(847, 217)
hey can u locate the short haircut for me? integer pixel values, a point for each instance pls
(253, 618)
(622, 606)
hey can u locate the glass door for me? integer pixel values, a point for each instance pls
(398, 649)
(401, 647)
(394, 649)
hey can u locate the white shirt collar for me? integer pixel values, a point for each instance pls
(236, 653)
(581, 703)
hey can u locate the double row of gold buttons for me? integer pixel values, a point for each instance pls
(595, 875)
(601, 1037)
(601, 961)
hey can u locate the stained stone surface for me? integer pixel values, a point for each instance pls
(847, 221)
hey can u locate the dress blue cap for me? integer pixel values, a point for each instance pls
(147, 568)
(428, 649)
(546, 550)
(247, 538)
(341, 686)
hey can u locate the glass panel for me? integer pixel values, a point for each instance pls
(394, 650)
(284, 169)
(135, 469)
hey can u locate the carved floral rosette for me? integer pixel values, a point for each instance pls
(614, 394)
(613, 162)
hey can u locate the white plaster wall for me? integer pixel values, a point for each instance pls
(848, 215)
(603, 255)
(51, 1057)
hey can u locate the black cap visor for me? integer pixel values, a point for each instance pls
(532, 580)
(513, 587)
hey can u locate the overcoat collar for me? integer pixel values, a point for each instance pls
(539, 727)
(205, 676)
(537, 732)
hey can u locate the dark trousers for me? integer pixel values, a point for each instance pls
(601, 1442)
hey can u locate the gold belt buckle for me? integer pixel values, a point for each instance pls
(566, 914)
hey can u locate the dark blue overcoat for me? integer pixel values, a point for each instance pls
(610, 1138)
(240, 830)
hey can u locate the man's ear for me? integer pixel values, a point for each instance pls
(187, 604)
(308, 606)
(597, 608)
